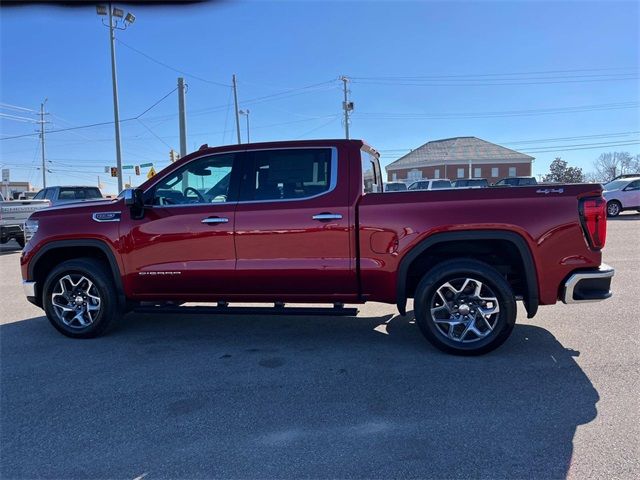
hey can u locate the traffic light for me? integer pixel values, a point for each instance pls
(137, 169)
(114, 171)
(172, 155)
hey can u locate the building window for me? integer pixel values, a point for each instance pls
(395, 177)
(494, 172)
(461, 173)
(414, 175)
(512, 171)
(436, 173)
(477, 172)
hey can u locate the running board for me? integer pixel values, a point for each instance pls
(227, 310)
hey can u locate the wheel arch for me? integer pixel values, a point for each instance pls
(61, 250)
(530, 293)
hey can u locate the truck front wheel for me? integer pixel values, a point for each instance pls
(79, 298)
(465, 307)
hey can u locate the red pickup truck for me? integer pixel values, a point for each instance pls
(308, 222)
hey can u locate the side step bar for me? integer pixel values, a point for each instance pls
(277, 309)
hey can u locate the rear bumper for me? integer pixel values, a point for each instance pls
(588, 285)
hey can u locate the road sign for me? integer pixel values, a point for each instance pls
(5, 175)
(151, 173)
(107, 169)
(143, 165)
(127, 167)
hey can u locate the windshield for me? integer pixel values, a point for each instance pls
(616, 185)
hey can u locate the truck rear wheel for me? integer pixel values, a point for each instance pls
(80, 299)
(465, 307)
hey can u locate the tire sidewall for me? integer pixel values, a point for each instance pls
(95, 272)
(458, 269)
(614, 203)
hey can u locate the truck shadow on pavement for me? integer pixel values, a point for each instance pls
(285, 397)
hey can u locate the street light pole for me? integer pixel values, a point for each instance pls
(113, 26)
(246, 114)
(116, 108)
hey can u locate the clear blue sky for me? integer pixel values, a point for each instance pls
(63, 54)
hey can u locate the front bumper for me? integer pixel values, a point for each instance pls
(7, 232)
(588, 285)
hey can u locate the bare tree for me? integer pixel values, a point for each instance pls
(610, 165)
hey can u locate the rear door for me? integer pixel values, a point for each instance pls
(292, 225)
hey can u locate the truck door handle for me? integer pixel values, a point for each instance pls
(323, 217)
(215, 220)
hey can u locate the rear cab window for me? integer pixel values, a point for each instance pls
(371, 175)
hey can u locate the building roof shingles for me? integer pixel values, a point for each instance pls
(456, 150)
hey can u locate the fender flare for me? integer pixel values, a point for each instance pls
(531, 298)
(93, 243)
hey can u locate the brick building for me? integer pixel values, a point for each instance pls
(460, 157)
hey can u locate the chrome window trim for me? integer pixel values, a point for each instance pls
(333, 179)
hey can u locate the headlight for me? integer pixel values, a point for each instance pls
(30, 229)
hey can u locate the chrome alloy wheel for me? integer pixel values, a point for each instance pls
(76, 301)
(465, 310)
(613, 209)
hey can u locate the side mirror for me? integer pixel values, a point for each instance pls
(132, 197)
(134, 200)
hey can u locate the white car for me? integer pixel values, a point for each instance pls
(430, 184)
(622, 194)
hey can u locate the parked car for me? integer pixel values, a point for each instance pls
(471, 183)
(426, 184)
(13, 214)
(71, 194)
(621, 195)
(516, 182)
(295, 222)
(395, 187)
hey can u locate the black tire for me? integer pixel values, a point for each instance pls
(103, 287)
(498, 325)
(614, 208)
(20, 241)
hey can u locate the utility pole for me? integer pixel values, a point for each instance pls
(44, 166)
(182, 116)
(347, 106)
(235, 101)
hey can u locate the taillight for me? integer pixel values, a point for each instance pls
(593, 216)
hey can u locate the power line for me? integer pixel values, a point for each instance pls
(466, 75)
(155, 60)
(15, 107)
(16, 118)
(506, 113)
(98, 124)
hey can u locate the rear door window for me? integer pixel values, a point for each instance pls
(287, 174)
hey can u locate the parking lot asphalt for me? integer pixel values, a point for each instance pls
(316, 397)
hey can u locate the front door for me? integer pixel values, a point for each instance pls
(184, 244)
(293, 234)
